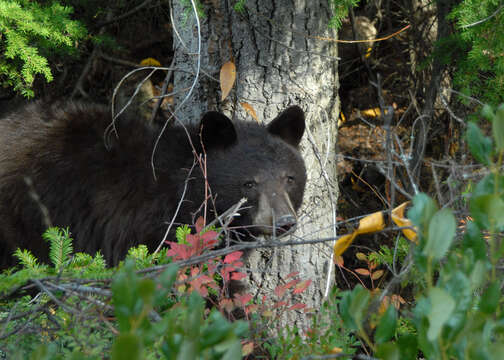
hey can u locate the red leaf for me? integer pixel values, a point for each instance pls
(279, 304)
(280, 290)
(179, 251)
(209, 239)
(199, 284)
(291, 283)
(225, 274)
(292, 274)
(364, 272)
(243, 299)
(211, 268)
(200, 224)
(193, 240)
(301, 286)
(234, 256)
(238, 275)
(226, 304)
(195, 271)
(251, 308)
(297, 306)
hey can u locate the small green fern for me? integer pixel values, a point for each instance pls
(60, 245)
(181, 233)
(340, 11)
(27, 259)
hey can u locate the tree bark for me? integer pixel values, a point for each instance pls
(431, 21)
(278, 63)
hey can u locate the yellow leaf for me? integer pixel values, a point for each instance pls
(227, 78)
(377, 274)
(399, 219)
(371, 223)
(267, 313)
(384, 305)
(247, 348)
(150, 62)
(361, 256)
(368, 224)
(375, 112)
(341, 119)
(336, 350)
(343, 243)
(250, 110)
(338, 260)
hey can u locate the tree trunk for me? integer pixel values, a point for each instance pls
(277, 64)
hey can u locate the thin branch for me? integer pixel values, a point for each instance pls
(483, 20)
(125, 15)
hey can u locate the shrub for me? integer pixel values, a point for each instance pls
(30, 33)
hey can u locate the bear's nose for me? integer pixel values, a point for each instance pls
(285, 223)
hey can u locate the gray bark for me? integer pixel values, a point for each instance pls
(277, 65)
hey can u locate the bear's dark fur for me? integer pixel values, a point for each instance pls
(53, 157)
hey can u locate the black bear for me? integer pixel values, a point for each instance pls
(55, 168)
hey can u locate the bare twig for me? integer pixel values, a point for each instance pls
(188, 177)
(125, 15)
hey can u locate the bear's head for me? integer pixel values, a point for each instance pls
(259, 163)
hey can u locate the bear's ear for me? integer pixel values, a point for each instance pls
(217, 131)
(289, 125)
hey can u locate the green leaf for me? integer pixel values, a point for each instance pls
(359, 304)
(422, 210)
(496, 212)
(480, 145)
(387, 326)
(127, 346)
(441, 233)
(408, 346)
(442, 306)
(496, 350)
(353, 306)
(478, 275)
(218, 332)
(388, 351)
(188, 349)
(487, 112)
(234, 352)
(498, 128)
(490, 299)
(125, 297)
(195, 316)
(487, 185)
(165, 283)
(487, 211)
(146, 288)
(345, 313)
(473, 241)
(457, 284)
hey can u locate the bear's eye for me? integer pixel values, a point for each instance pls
(290, 179)
(250, 184)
